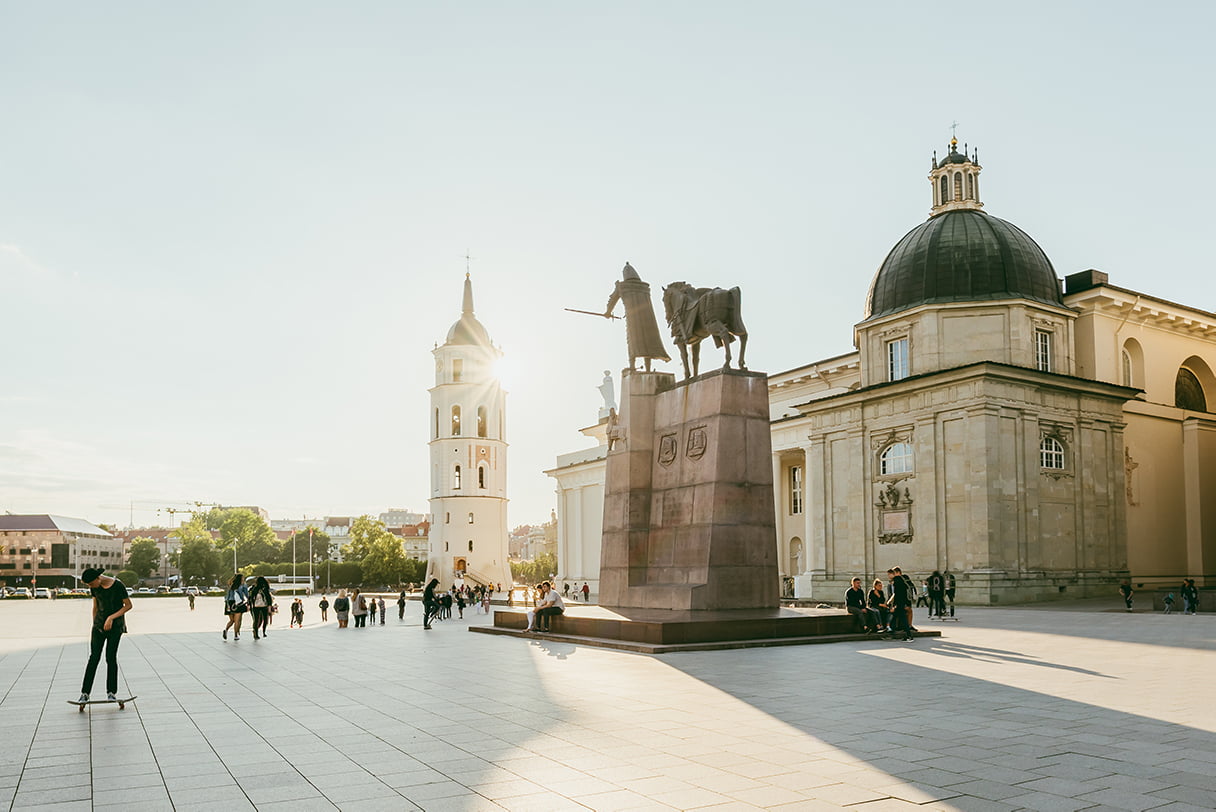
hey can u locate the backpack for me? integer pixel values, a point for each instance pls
(912, 593)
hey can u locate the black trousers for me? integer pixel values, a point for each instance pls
(261, 617)
(429, 611)
(109, 641)
(543, 615)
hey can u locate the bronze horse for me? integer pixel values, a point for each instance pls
(697, 313)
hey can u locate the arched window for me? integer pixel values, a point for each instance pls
(481, 476)
(436, 424)
(945, 189)
(456, 478)
(1051, 454)
(958, 185)
(896, 459)
(1188, 392)
(455, 421)
(970, 186)
(470, 545)
(481, 421)
(470, 517)
(1127, 368)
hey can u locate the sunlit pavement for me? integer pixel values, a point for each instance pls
(1075, 707)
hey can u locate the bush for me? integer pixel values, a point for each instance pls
(128, 577)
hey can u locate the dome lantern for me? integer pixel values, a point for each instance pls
(956, 181)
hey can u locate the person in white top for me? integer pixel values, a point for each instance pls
(551, 605)
(540, 597)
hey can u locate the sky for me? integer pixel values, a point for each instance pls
(232, 233)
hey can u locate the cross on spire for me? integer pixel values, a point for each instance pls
(467, 260)
(954, 130)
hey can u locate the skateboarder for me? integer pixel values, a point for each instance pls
(110, 603)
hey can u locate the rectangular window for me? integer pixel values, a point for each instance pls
(1042, 350)
(897, 359)
(795, 489)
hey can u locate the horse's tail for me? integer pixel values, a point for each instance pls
(736, 312)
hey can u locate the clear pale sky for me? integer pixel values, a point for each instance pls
(231, 233)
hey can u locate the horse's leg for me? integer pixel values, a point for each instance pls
(726, 339)
(742, 349)
(696, 359)
(684, 359)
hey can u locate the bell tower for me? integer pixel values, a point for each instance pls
(468, 537)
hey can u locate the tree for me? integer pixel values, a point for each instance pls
(364, 531)
(340, 573)
(198, 559)
(248, 533)
(413, 571)
(129, 579)
(144, 557)
(385, 560)
(538, 569)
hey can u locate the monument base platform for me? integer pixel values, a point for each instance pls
(659, 631)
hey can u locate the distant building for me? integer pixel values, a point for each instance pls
(398, 517)
(44, 550)
(166, 540)
(414, 539)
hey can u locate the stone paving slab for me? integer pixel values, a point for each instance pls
(1067, 707)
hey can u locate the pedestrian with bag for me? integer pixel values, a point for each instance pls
(260, 600)
(359, 609)
(342, 609)
(236, 603)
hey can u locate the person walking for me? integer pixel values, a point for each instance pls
(380, 606)
(190, 597)
(342, 608)
(359, 609)
(236, 603)
(460, 604)
(586, 592)
(324, 607)
(259, 600)
(1125, 589)
(430, 604)
(401, 606)
(485, 600)
(110, 605)
(948, 577)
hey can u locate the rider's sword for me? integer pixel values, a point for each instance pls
(592, 313)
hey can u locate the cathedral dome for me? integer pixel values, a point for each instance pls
(962, 255)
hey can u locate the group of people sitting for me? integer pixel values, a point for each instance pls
(889, 611)
(548, 603)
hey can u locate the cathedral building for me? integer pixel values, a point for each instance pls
(1038, 438)
(468, 534)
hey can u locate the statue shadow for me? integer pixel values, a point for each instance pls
(950, 648)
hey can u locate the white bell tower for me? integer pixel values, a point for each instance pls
(468, 537)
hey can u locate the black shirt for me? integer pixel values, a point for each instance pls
(109, 600)
(855, 598)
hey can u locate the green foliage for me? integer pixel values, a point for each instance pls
(413, 571)
(198, 559)
(144, 557)
(248, 532)
(364, 531)
(538, 569)
(129, 579)
(385, 560)
(342, 573)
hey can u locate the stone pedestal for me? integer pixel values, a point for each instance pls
(688, 503)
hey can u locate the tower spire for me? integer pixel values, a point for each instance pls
(467, 305)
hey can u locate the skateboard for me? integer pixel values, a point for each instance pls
(122, 703)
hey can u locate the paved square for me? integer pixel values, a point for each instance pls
(1062, 708)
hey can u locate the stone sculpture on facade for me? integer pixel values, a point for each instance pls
(641, 327)
(608, 393)
(694, 314)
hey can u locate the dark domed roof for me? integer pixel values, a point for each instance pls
(961, 256)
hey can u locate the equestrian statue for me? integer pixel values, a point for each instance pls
(694, 314)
